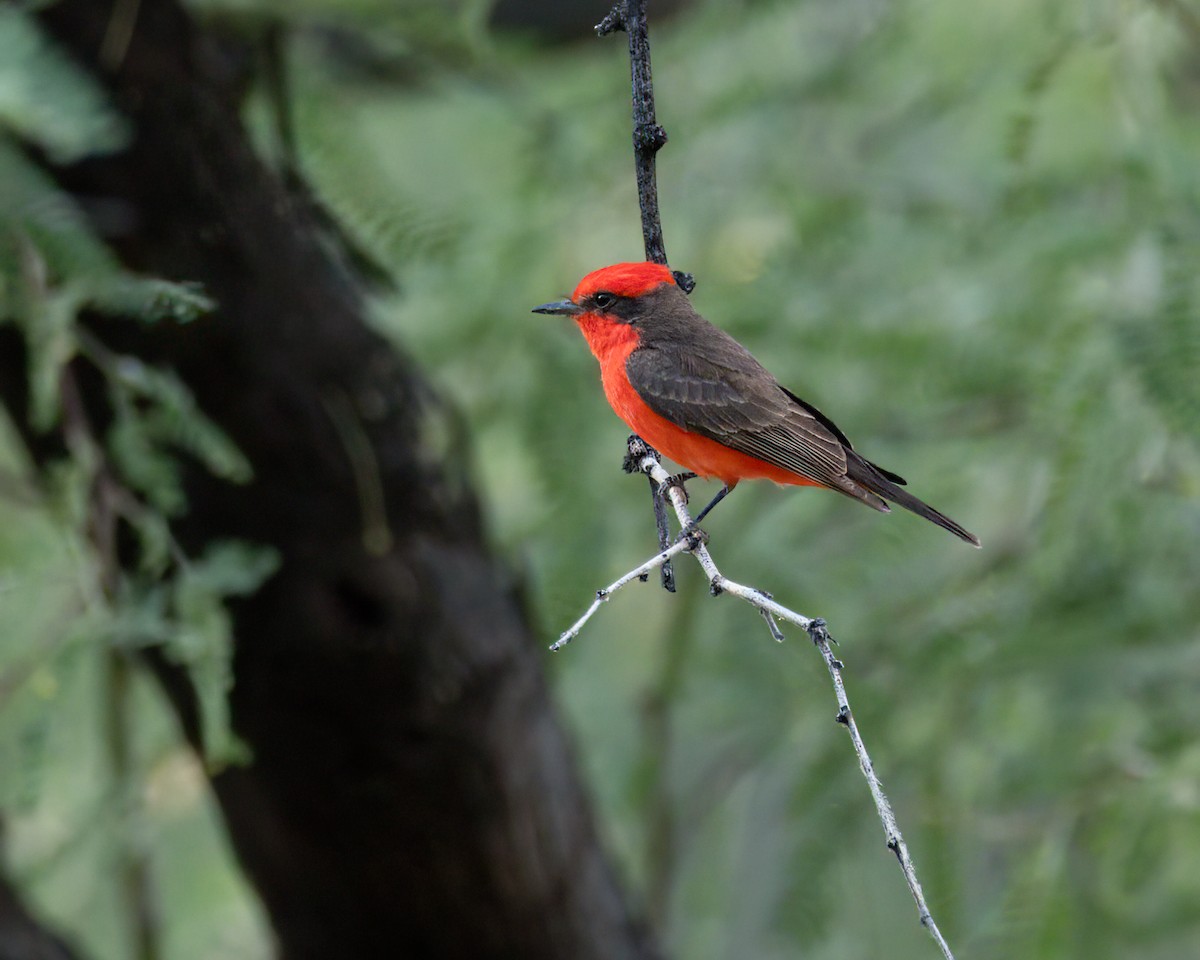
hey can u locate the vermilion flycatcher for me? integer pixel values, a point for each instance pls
(699, 397)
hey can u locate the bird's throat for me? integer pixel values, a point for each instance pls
(611, 342)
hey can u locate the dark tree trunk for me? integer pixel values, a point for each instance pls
(21, 936)
(412, 792)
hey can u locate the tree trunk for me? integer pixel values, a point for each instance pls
(412, 792)
(21, 936)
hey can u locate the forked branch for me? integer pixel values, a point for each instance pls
(646, 461)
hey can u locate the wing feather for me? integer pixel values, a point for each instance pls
(721, 392)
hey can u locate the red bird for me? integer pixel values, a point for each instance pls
(699, 397)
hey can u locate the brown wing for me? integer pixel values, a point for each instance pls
(715, 388)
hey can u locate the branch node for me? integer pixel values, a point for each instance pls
(601, 594)
(613, 21)
(685, 281)
(843, 716)
(819, 632)
(650, 137)
(893, 844)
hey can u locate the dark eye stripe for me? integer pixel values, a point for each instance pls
(618, 308)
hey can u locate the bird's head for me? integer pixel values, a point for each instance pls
(610, 302)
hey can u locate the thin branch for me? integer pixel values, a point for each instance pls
(895, 841)
(602, 595)
(648, 138)
(695, 543)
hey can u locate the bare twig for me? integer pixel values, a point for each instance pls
(648, 138)
(604, 593)
(822, 639)
(695, 543)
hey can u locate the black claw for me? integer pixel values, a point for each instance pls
(677, 480)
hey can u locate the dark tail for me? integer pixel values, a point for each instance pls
(877, 481)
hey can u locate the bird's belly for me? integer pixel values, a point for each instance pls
(694, 452)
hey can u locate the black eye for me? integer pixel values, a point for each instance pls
(604, 299)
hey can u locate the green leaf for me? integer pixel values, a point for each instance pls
(202, 640)
(148, 298)
(46, 99)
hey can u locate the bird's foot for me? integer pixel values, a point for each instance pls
(678, 480)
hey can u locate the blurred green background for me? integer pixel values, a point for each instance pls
(967, 232)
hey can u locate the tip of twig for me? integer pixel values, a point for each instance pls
(685, 281)
(776, 633)
(668, 577)
(695, 536)
(615, 20)
(637, 450)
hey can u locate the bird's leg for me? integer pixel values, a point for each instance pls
(691, 528)
(721, 495)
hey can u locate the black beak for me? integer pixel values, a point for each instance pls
(564, 307)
